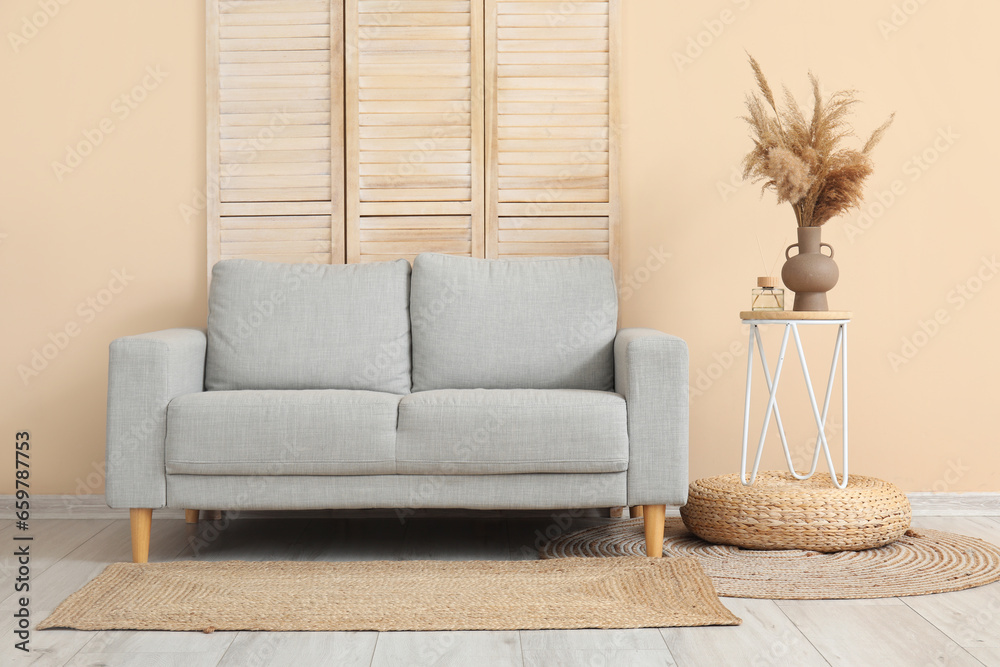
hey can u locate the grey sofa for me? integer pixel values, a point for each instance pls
(464, 383)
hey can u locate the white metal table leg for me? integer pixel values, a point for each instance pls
(746, 410)
(777, 416)
(771, 400)
(837, 349)
(843, 382)
(826, 409)
(820, 420)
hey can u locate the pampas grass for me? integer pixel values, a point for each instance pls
(801, 159)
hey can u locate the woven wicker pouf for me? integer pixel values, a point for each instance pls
(781, 512)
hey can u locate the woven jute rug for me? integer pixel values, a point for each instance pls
(919, 563)
(396, 595)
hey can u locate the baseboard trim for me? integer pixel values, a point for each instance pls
(94, 507)
(926, 503)
(91, 506)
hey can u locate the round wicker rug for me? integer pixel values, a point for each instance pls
(919, 563)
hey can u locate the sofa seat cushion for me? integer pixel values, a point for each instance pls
(309, 326)
(505, 324)
(307, 432)
(508, 431)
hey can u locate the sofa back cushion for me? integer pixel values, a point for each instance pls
(309, 326)
(513, 324)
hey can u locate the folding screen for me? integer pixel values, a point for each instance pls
(366, 130)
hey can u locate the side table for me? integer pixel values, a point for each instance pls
(790, 510)
(791, 321)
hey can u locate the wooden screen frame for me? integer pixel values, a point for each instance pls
(215, 208)
(344, 207)
(496, 209)
(355, 209)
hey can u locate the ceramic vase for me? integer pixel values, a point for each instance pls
(810, 274)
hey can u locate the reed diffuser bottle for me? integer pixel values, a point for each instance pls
(767, 295)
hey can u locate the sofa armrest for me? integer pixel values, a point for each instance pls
(144, 373)
(651, 371)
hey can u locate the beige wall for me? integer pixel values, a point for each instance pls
(132, 206)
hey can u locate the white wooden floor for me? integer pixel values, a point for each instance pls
(960, 628)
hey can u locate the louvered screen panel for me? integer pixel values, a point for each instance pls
(553, 236)
(275, 119)
(552, 151)
(414, 138)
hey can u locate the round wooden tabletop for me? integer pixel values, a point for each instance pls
(795, 314)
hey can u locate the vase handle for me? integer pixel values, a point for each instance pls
(789, 249)
(828, 246)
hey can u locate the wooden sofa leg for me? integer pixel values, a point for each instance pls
(190, 516)
(635, 511)
(141, 520)
(652, 519)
